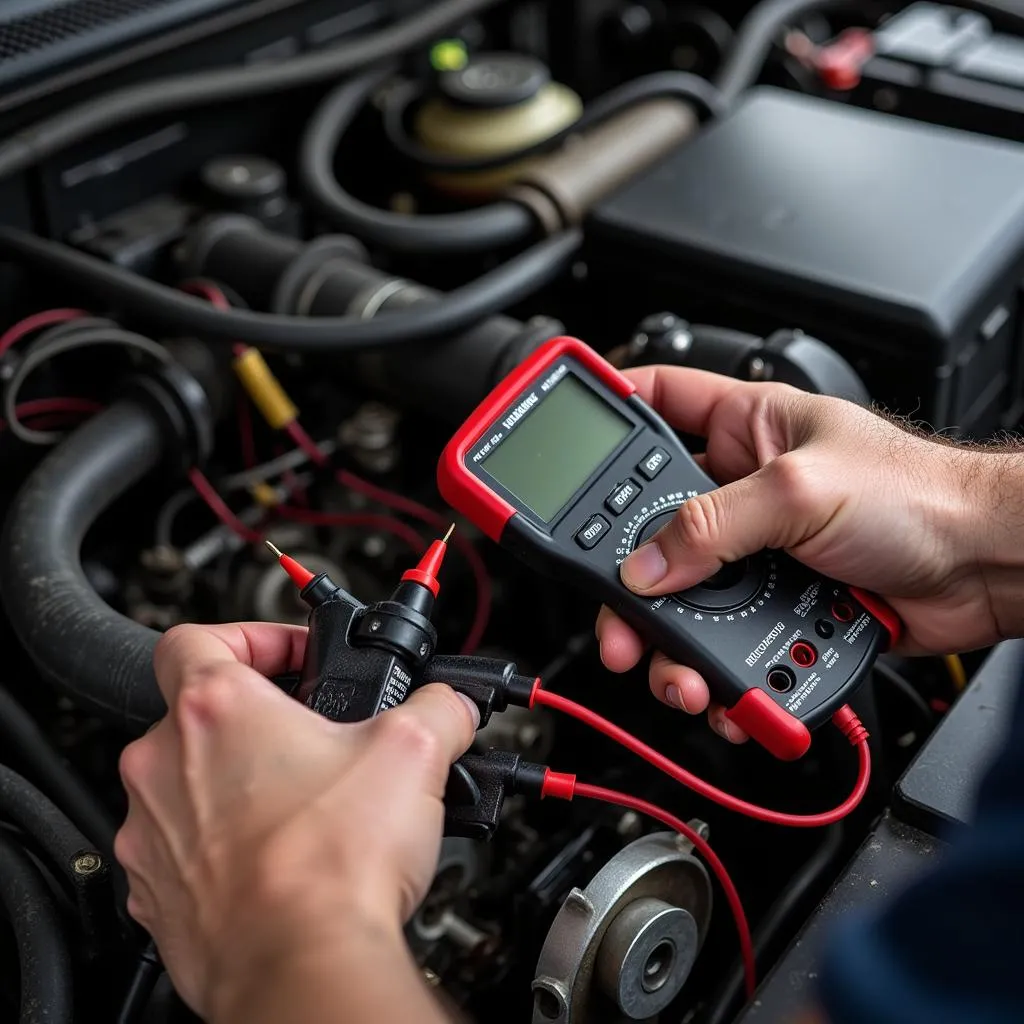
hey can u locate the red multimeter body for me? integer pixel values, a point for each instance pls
(567, 468)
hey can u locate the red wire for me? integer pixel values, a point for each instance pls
(216, 297)
(41, 406)
(399, 503)
(36, 322)
(206, 290)
(297, 432)
(612, 796)
(54, 407)
(220, 509)
(372, 520)
(698, 785)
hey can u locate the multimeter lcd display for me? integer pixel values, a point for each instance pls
(553, 450)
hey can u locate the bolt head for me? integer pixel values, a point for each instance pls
(87, 863)
(680, 341)
(374, 625)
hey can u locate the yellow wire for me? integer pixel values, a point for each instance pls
(956, 670)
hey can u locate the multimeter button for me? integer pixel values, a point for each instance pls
(653, 463)
(591, 532)
(824, 628)
(622, 497)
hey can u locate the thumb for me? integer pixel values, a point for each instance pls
(776, 507)
(437, 711)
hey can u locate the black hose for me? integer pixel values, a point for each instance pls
(47, 991)
(43, 766)
(679, 85)
(205, 88)
(174, 310)
(754, 40)
(78, 641)
(147, 973)
(487, 227)
(23, 805)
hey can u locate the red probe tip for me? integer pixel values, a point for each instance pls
(428, 567)
(299, 574)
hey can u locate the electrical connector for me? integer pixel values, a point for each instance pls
(264, 388)
(478, 785)
(490, 683)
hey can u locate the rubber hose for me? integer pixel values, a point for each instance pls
(487, 227)
(43, 766)
(47, 991)
(148, 972)
(754, 40)
(205, 88)
(23, 805)
(80, 643)
(151, 302)
(679, 85)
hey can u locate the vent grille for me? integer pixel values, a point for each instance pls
(43, 29)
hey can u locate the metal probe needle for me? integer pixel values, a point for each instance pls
(277, 553)
(444, 540)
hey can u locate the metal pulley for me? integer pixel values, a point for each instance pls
(625, 945)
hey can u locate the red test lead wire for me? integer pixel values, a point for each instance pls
(844, 719)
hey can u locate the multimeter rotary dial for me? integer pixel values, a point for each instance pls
(745, 585)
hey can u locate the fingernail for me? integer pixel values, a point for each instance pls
(645, 567)
(729, 731)
(473, 709)
(673, 696)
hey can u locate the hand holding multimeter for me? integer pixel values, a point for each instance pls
(570, 470)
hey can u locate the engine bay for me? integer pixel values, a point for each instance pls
(258, 262)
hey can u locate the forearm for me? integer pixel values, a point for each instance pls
(363, 978)
(994, 493)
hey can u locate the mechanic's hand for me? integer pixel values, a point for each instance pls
(257, 829)
(840, 488)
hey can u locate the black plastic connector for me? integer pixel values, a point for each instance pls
(319, 589)
(477, 787)
(490, 683)
(395, 627)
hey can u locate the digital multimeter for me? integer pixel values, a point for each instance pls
(569, 469)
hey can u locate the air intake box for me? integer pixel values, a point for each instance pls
(901, 244)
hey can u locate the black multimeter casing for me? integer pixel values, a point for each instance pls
(781, 646)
